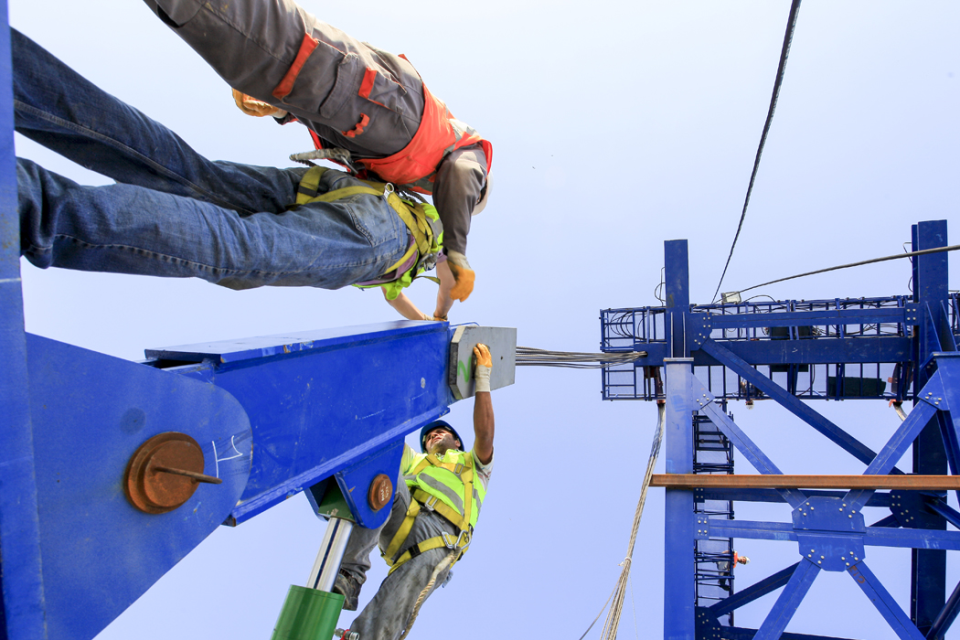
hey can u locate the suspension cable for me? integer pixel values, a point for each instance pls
(897, 256)
(784, 52)
(612, 621)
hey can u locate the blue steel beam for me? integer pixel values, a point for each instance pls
(908, 315)
(22, 602)
(790, 598)
(876, 537)
(904, 436)
(771, 495)
(866, 350)
(884, 602)
(947, 616)
(374, 384)
(837, 435)
(744, 444)
(931, 292)
(740, 633)
(753, 592)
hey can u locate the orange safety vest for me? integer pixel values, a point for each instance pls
(416, 164)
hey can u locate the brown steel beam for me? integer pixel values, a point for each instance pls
(777, 481)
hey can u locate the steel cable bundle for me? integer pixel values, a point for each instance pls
(530, 357)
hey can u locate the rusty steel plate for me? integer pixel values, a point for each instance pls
(381, 490)
(154, 491)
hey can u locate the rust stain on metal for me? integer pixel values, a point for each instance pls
(381, 490)
(163, 472)
(777, 481)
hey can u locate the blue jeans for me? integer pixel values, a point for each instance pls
(174, 213)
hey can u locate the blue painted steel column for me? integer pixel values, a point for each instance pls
(679, 593)
(928, 580)
(677, 289)
(679, 621)
(21, 615)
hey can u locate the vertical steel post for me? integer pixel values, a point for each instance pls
(679, 566)
(311, 612)
(928, 577)
(327, 565)
(22, 603)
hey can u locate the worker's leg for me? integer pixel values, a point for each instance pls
(127, 229)
(63, 111)
(385, 617)
(280, 54)
(356, 559)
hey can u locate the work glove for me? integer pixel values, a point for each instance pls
(484, 367)
(254, 107)
(462, 273)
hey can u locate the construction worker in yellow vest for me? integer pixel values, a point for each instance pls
(431, 524)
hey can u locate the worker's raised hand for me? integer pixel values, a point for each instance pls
(462, 273)
(254, 107)
(483, 367)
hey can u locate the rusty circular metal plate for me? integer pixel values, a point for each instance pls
(151, 491)
(381, 490)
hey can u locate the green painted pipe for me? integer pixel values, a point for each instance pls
(308, 614)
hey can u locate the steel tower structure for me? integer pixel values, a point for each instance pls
(901, 349)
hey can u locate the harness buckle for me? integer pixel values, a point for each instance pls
(428, 505)
(457, 469)
(455, 544)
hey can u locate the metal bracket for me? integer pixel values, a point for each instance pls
(501, 341)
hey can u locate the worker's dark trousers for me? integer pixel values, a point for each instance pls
(385, 617)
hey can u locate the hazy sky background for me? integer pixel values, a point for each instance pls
(616, 126)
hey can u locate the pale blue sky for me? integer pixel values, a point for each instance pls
(616, 126)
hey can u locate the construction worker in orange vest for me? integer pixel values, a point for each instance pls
(283, 62)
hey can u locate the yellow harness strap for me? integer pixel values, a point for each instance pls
(418, 225)
(462, 522)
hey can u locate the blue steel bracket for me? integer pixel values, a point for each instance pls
(90, 414)
(884, 602)
(355, 481)
(699, 326)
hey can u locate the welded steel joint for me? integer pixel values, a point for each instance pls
(164, 472)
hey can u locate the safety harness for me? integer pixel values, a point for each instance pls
(465, 473)
(420, 218)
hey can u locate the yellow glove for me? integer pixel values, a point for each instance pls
(462, 273)
(254, 107)
(484, 367)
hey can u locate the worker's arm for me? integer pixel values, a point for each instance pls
(483, 424)
(405, 307)
(447, 282)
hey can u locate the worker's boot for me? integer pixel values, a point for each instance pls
(349, 587)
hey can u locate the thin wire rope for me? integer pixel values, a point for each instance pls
(530, 357)
(897, 256)
(784, 52)
(612, 621)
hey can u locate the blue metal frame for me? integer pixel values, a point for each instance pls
(789, 351)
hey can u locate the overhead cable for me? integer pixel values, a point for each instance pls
(530, 357)
(784, 52)
(897, 256)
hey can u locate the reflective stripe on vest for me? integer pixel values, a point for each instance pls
(442, 485)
